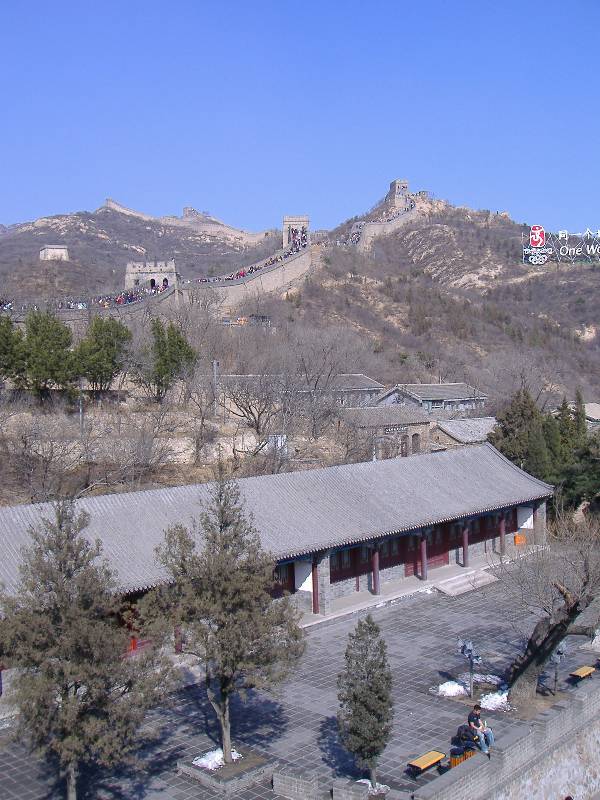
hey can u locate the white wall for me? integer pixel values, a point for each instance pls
(303, 573)
(525, 517)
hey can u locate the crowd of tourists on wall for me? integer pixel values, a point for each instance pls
(123, 298)
(385, 216)
(298, 239)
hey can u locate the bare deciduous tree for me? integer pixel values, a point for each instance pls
(556, 584)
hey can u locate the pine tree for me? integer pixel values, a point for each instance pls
(169, 358)
(11, 351)
(551, 431)
(365, 695)
(512, 433)
(79, 699)
(537, 461)
(220, 597)
(565, 424)
(580, 431)
(101, 353)
(48, 358)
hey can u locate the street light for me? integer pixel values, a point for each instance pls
(466, 649)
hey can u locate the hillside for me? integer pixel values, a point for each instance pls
(102, 242)
(448, 297)
(443, 296)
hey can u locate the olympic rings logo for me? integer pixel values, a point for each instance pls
(537, 259)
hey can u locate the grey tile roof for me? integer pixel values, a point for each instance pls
(439, 391)
(468, 431)
(355, 380)
(341, 382)
(295, 513)
(375, 416)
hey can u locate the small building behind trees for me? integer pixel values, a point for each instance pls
(442, 399)
(394, 430)
(460, 432)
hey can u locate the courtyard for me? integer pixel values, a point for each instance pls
(297, 726)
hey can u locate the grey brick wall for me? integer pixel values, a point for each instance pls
(520, 753)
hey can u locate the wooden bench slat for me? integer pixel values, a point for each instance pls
(427, 760)
(582, 672)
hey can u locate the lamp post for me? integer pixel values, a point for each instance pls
(466, 649)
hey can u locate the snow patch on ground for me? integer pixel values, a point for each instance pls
(379, 788)
(495, 701)
(214, 759)
(494, 680)
(451, 689)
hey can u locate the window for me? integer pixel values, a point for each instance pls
(385, 549)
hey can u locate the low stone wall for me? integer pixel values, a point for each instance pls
(551, 757)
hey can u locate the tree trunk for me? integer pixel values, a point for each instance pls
(226, 732)
(547, 635)
(221, 707)
(373, 774)
(71, 782)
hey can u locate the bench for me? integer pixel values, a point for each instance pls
(582, 672)
(430, 759)
(458, 758)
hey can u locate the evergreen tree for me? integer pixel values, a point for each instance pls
(11, 351)
(48, 358)
(101, 353)
(365, 695)
(582, 476)
(511, 436)
(565, 424)
(552, 438)
(580, 430)
(537, 461)
(79, 699)
(220, 598)
(169, 358)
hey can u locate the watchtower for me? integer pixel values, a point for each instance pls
(54, 252)
(151, 274)
(295, 231)
(398, 195)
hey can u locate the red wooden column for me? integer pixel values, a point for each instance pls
(315, 586)
(465, 544)
(423, 557)
(375, 570)
(502, 533)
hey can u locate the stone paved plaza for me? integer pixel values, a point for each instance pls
(298, 725)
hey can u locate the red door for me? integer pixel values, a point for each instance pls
(411, 555)
(437, 547)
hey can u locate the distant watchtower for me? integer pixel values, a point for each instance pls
(295, 231)
(150, 274)
(54, 252)
(398, 195)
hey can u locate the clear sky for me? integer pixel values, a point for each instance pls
(251, 110)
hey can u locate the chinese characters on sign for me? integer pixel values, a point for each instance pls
(544, 246)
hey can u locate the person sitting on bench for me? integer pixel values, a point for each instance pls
(484, 734)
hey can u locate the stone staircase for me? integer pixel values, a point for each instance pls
(466, 582)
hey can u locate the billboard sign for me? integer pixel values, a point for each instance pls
(542, 246)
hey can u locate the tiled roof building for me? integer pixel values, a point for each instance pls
(329, 528)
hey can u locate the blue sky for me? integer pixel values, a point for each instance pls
(254, 110)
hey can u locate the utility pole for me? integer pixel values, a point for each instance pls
(215, 365)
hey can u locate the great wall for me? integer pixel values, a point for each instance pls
(280, 272)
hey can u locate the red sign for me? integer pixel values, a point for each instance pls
(537, 236)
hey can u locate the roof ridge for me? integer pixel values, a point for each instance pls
(514, 466)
